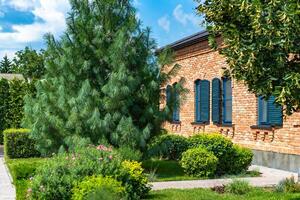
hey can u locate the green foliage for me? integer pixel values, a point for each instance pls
(288, 185)
(6, 65)
(56, 178)
(241, 160)
(30, 63)
(199, 162)
(24, 168)
(15, 113)
(238, 187)
(102, 80)
(90, 185)
(17, 144)
(221, 147)
(4, 106)
(261, 44)
(168, 146)
(128, 153)
(136, 181)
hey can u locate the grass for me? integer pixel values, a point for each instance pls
(168, 170)
(21, 170)
(206, 194)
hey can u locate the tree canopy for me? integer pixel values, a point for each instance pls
(102, 80)
(6, 65)
(261, 42)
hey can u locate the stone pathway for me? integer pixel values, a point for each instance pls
(7, 189)
(270, 177)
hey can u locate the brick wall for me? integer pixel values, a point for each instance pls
(200, 62)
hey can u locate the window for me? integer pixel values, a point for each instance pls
(227, 101)
(269, 113)
(172, 98)
(202, 96)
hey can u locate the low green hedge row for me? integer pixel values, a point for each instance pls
(18, 144)
(232, 159)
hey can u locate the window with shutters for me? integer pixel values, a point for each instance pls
(216, 100)
(202, 98)
(172, 98)
(227, 101)
(269, 113)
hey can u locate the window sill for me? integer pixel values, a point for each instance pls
(200, 123)
(224, 125)
(264, 127)
(175, 122)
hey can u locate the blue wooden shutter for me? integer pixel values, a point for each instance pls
(168, 95)
(227, 101)
(204, 101)
(197, 101)
(216, 100)
(176, 107)
(274, 112)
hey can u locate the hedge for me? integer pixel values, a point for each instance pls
(4, 96)
(17, 144)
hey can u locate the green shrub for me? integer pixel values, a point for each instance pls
(238, 187)
(199, 162)
(24, 168)
(135, 179)
(241, 160)
(90, 185)
(4, 106)
(17, 144)
(56, 178)
(128, 153)
(221, 147)
(168, 147)
(288, 185)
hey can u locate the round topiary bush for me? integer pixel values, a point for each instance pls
(241, 160)
(168, 147)
(108, 187)
(221, 147)
(199, 162)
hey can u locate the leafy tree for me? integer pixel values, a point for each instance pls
(102, 80)
(261, 43)
(30, 63)
(6, 65)
(4, 106)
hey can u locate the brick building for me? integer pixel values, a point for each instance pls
(219, 104)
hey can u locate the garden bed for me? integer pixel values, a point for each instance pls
(169, 170)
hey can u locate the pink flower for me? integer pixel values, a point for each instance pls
(100, 158)
(29, 190)
(110, 157)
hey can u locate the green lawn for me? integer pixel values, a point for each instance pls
(167, 170)
(206, 194)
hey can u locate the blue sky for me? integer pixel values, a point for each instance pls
(24, 22)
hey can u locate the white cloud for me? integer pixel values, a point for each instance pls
(164, 23)
(185, 18)
(23, 5)
(52, 14)
(9, 53)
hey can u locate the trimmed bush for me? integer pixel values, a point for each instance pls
(56, 178)
(24, 168)
(17, 144)
(241, 160)
(221, 147)
(168, 147)
(238, 187)
(199, 162)
(90, 186)
(136, 181)
(4, 106)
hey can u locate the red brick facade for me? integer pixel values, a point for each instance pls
(198, 61)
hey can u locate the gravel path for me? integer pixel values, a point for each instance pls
(7, 189)
(270, 177)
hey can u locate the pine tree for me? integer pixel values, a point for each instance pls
(5, 65)
(102, 80)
